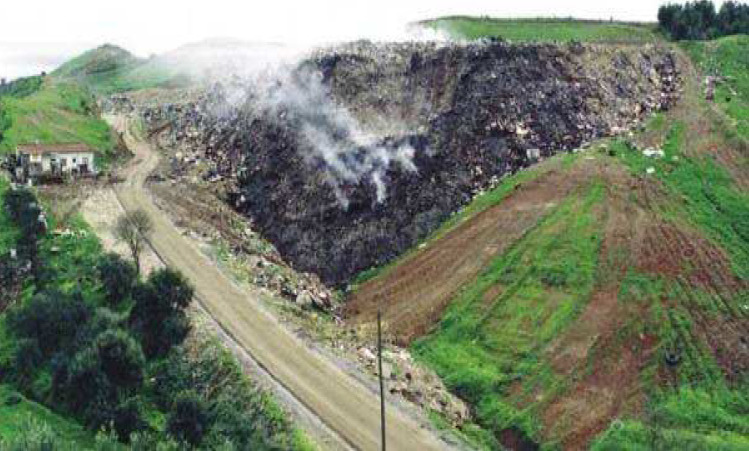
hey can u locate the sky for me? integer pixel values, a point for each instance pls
(39, 35)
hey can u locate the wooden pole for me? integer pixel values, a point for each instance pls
(382, 379)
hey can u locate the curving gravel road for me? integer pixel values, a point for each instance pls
(342, 403)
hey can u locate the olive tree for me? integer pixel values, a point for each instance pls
(133, 228)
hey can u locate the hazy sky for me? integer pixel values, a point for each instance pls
(38, 35)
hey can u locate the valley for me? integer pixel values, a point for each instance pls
(555, 233)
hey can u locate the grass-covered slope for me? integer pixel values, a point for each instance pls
(22, 417)
(619, 319)
(58, 112)
(108, 69)
(543, 29)
(727, 57)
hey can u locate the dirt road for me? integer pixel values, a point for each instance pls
(343, 404)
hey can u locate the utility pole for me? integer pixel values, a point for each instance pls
(382, 380)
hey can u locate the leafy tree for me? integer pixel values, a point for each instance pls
(23, 209)
(97, 378)
(128, 419)
(189, 419)
(51, 318)
(699, 20)
(158, 316)
(26, 359)
(120, 359)
(133, 228)
(117, 277)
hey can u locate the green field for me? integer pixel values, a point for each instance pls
(58, 112)
(543, 30)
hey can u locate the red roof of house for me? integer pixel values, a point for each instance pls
(41, 149)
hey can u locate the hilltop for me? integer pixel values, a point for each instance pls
(544, 29)
(108, 69)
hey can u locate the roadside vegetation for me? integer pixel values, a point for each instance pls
(543, 29)
(114, 353)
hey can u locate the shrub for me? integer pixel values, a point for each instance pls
(128, 419)
(117, 277)
(188, 420)
(158, 316)
(51, 318)
(120, 359)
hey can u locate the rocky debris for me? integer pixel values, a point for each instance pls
(470, 113)
(415, 383)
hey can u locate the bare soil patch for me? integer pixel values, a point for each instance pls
(414, 294)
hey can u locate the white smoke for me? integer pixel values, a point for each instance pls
(336, 142)
(271, 80)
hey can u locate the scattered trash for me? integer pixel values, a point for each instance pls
(650, 170)
(652, 152)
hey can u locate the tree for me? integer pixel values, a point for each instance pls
(120, 359)
(95, 381)
(158, 316)
(117, 277)
(699, 20)
(133, 228)
(23, 209)
(51, 318)
(128, 419)
(189, 419)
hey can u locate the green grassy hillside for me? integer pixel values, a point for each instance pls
(57, 112)
(727, 57)
(20, 416)
(108, 69)
(543, 29)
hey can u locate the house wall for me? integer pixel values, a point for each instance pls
(73, 161)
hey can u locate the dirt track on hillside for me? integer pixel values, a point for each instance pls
(343, 404)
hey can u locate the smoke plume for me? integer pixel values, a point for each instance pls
(337, 142)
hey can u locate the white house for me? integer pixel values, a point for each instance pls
(55, 159)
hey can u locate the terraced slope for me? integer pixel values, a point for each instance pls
(614, 312)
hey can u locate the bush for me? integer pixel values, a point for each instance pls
(93, 383)
(51, 318)
(120, 359)
(26, 359)
(128, 419)
(117, 277)
(188, 420)
(158, 316)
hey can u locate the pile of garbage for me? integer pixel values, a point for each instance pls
(444, 121)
